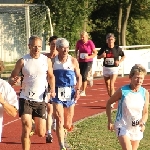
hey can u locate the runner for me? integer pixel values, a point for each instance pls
(87, 52)
(8, 99)
(35, 68)
(132, 111)
(110, 52)
(51, 122)
(68, 83)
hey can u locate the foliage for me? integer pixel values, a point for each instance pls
(100, 17)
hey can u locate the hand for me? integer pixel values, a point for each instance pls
(141, 124)
(103, 55)
(52, 94)
(87, 57)
(110, 126)
(117, 63)
(2, 101)
(77, 95)
(14, 81)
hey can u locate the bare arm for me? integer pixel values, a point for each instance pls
(10, 109)
(51, 77)
(13, 79)
(78, 75)
(76, 53)
(122, 59)
(94, 53)
(145, 109)
(117, 95)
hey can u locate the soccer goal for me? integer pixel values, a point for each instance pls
(17, 23)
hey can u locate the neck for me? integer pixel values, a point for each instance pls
(134, 88)
(62, 59)
(35, 56)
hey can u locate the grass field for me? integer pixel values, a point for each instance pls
(92, 134)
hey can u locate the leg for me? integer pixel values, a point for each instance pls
(59, 116)
(40, 126)
(135, 145)
(113, 78)
(125, 142)
(26, 120)
(107, 83)
(49, 121)
(68, 116)
(85, 68)
(39, 115)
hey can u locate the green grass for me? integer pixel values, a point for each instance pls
(92, 134)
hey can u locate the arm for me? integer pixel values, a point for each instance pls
(51, 78)
(145, 109)
(116, 97)
(76, 52)
(10, 109)
(14, 78)
(78, 77)
(9, 99)
(101, 53)
(94, 53)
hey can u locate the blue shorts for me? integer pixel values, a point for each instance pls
(64, 103)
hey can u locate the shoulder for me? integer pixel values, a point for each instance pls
(117, 47)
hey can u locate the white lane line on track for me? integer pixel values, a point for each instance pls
(10, 122)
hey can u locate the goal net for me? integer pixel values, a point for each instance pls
(17, 23)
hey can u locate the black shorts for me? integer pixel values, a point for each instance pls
(36, 109)
(85, 67)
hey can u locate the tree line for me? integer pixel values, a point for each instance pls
(127, 19)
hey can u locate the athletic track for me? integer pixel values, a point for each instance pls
(93, 103)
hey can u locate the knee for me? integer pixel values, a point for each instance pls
(41, 134)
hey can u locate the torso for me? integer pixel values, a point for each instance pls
(34, 78)
(130, 107)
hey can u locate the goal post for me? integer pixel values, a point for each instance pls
(18, 22)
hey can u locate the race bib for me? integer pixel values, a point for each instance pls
(83, 55)
(134, 120)
(109, 61)
(31, 93)
(64, 93)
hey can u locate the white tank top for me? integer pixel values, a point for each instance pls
(34, 78)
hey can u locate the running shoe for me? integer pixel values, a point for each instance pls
(112, 105)
(63, 148)
(49, 138)
(82, 93)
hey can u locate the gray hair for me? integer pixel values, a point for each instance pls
(137, 68)
(34, 37)
(61, 42)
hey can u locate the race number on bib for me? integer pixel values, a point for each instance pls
(64, 93)
(31, 93)
(83, 55)
(109, 61)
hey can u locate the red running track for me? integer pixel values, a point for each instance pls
(93, 103)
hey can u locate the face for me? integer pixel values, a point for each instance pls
(137, 79)
(52, 45)
(35, 48)
(63, 51)
(110, 40)
(84, 37)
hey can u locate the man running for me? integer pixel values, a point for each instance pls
(51, 122)
(68, 83)
(110, 52)
(35, 68)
